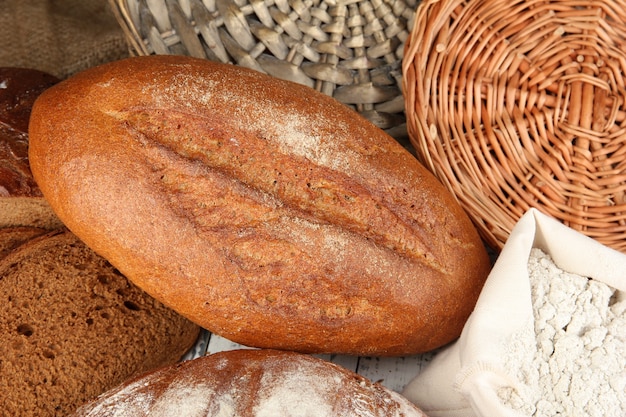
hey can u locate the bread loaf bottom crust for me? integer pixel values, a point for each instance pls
(264, 211)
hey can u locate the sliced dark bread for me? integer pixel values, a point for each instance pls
(71, 327)
(12, 237)
(27, 211)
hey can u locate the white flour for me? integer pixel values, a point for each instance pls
(574, 363)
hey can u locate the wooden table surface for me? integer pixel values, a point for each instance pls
(393, 373)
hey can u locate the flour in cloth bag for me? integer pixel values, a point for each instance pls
(574, 364)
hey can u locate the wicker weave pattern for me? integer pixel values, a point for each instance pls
(518, 104)
(349, 49)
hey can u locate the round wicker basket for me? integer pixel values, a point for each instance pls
(522, 103)
(349, 49)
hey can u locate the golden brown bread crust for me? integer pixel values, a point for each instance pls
(253, 383)
(262, 210)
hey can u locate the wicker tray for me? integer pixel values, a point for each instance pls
(519, 104)
(349, 49)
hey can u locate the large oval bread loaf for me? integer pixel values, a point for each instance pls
(265, 212)
(251, 383)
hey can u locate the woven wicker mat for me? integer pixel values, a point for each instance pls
(60, 37)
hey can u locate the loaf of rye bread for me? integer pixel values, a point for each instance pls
(262, 210)
(72, 327)
(251, 383)
(21, 201)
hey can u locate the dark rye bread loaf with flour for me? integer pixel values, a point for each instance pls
(251, 383)
(71, 327)
(262, 210)
(21, 201)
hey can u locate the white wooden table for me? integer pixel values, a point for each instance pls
(391, 372)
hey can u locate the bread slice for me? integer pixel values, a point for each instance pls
(27, 211)
(13, 237)
(72, 327)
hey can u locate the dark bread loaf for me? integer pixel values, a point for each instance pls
(19, 87)
(72, 327)
(21, 201)
(251, 383)
(265, 212)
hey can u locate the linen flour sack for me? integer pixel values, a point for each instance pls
(547, 336)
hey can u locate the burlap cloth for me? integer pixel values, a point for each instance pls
(60, 37)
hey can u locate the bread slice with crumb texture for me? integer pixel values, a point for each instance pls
(12, 237)
(72, 327)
